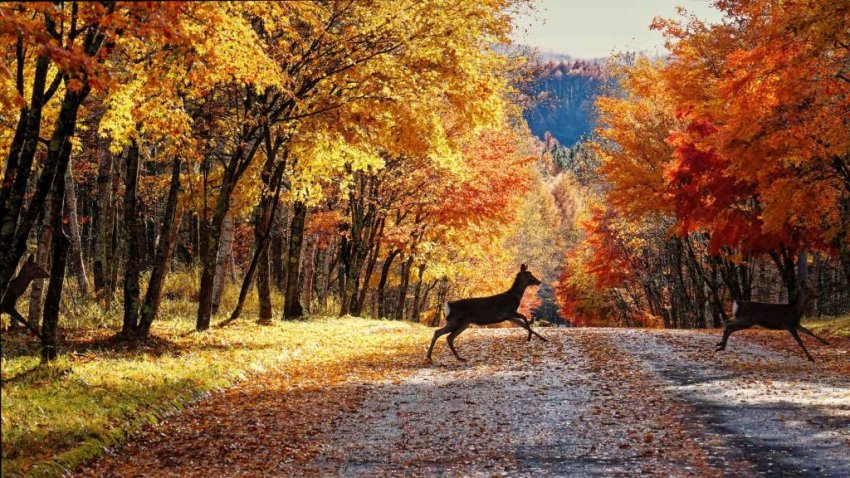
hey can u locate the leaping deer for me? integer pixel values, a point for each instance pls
(487, 310)
(774, 317)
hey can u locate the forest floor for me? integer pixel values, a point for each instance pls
(590, 402)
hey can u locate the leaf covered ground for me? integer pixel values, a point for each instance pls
(605, 402)
(103, 389)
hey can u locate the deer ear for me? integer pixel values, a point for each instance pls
(523, 268)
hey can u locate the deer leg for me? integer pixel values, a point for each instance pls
(17, 316)
(800, 341)
(727, 331)
(527, 325)
(811, 334)
(528, 328)
(451, 340)
(439, 333)
(531, 331)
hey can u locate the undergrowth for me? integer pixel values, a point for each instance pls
(830, 326)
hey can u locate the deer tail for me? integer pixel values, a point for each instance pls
(734, 307)
(447, 309)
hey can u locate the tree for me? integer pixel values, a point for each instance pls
(729, 154)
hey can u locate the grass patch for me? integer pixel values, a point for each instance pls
(101, 390)
(830, 327)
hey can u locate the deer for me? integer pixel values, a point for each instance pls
(16, 288)
(487, 311)
(774, 317)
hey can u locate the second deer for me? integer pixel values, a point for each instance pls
(774, 317)
(486, 311)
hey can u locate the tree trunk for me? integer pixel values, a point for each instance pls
(53, 299)
(309, 272)
(346, 285)
(263, 290)
(292, 307)
(77, 263)
(402, 289)
(221, 261)
(132, 299)
(23, 146)
(103, 212)
(164, 249)
(19, 166)
(843, 237)
(236, 167)
(42, 257)
(359, 300)
(423, 303)
(285, 221)
(371, 260)
(382, 284)
(414, 316)
(785, 264)
(211, 263)
(719, 317)
(58, 258)
(264, 221)
(263, 229)
(442, 292)
(15, 226)
(802, 270)
(15, 223)
(342, 269)
(142, 235)
(276, 252)
(327, 271)
(746, 280)
(195, 240)
(844, 258)
(115, 245)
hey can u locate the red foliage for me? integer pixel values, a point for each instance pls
(709, 195)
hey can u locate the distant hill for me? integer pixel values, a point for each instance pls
(567, 89)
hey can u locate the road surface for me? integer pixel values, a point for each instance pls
(590, 402)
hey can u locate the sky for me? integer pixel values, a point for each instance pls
(597, 28)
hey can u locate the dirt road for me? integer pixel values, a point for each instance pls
(590, 402)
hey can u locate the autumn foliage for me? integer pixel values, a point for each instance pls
(731, 152)
(332, 150)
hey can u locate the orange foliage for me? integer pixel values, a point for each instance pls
(764, 157)
(497, 177)
(741, 135)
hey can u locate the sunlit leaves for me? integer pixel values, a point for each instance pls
(740, 135)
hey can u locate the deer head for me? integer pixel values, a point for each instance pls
(526, 277)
